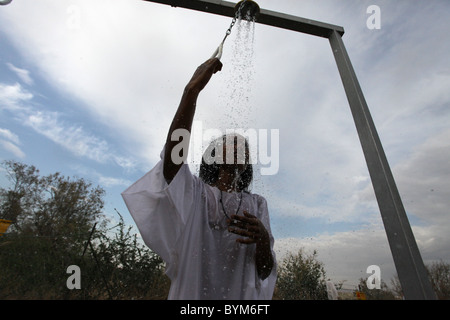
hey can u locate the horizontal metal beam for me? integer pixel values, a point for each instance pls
(267, 17)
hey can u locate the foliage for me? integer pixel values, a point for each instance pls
(50, 206)
(129, 269)
(439, 273)
(58, 222)
(301, 277)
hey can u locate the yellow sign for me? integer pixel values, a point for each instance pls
(4, 224)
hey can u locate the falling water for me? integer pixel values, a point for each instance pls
(239, 67)
(237, 98)
(235, 108)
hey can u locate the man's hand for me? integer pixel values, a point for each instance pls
(203, 74)
(250, 227)
(254, 231)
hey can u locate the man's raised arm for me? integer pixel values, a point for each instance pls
(185, 114)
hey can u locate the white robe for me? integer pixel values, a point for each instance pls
(184, 223)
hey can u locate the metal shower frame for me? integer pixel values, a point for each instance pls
(408, 261)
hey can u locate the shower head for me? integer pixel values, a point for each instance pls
(247, 10)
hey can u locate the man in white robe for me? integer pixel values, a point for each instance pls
(214, 237)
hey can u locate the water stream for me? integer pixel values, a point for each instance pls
(239, 68)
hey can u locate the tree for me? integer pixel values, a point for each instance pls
(49, 206)
(130, 269)
(439, 273)
(51, 220)
(301, 277)
(59, 222)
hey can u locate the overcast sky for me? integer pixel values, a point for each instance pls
(89, 88)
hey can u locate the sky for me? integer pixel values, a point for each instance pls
(89, 88)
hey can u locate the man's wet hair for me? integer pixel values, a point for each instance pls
(209, 171)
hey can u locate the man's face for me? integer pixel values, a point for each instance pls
(235, 155)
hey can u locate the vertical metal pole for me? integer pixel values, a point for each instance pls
(408, 262)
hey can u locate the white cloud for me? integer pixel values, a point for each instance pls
(23, 74)
(11, 143)
(71, 137)
(346, 255)
(13, 96)
(103, 180)
(74, 138)
(112, 182)
(9, 135)
(11, 147)
(111, 61)
(424, 180)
